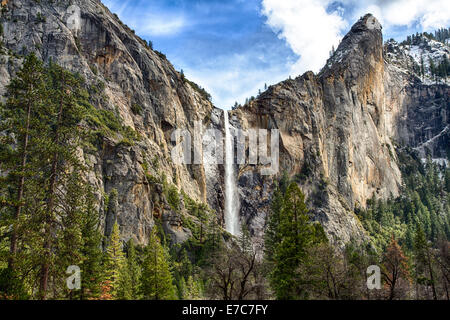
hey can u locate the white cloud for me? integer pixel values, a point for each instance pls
(430, 14)
(159, 25)
(116, 6)
(307, 27)
(234, 78)
(148, 21)
(311, 31)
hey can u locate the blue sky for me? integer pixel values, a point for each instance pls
(232, 48)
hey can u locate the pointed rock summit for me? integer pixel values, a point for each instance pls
(368, 22)
(361, 48)
(333, 127)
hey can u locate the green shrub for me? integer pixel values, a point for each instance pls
(199, 89)
(152, 179)
(173, 198)
(40, 18)
(155, 163)
(161, 55)
(126, 142)
(137, 109)
(109, 124)
(93, 69)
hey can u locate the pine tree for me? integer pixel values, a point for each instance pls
(91, 267)
(186, 267)
(422, 66)
(124, 291)
(115, 262)
(272, 235)
(62, 113)
(43, 113)
(193, 290)
(245, 241)
(130, 275)
(157, 281)
(432, 68)
(182, 289)
(447, 180)
(69, 244)
(424, 258)
(297, 235)
(21, 125)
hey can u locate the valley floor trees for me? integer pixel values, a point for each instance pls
(408, 240)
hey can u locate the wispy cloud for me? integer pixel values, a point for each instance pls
(234, 78)
(312, 27)
(223, 46)
(149, 20)
(117, 7)
(429, 14)
(307, 27)
(160, 25)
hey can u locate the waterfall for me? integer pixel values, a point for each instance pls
(231, 192)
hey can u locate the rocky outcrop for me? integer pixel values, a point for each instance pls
(137, 84)
(418, 105)
(340, 129)
(334, 136)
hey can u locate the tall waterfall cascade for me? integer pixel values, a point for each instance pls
(231, 191)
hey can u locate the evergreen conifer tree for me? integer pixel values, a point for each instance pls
(156, 281)
(115, 263)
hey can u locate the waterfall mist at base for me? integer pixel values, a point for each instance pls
(231, 193)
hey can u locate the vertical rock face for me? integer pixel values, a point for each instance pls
(128, 78)
(418, 106)
(333, 132)
(423, 119)
(357, 154)
(338, 129)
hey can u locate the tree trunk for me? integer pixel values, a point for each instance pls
(50, 202)
(14, 235)
(430, 267)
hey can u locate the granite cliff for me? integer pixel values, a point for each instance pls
(339, 129)
(136, 84)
